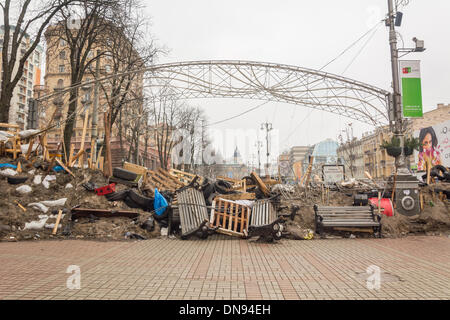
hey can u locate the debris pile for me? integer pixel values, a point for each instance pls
(44, 198)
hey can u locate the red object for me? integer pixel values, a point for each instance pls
(385, 203)
(110, 188)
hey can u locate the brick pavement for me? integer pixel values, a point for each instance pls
(227, 268)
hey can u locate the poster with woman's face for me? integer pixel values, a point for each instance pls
(434, 146)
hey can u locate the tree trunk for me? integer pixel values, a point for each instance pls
(68, 129)
(5, 104)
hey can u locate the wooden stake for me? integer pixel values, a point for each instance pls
(393, 189)
(428, 161)
(379, 202)
(72, 148)
(98, 158)
(57, 222)
(64, 167)
(76, 157)
(83, 138)
(30, 148)
(19, 167)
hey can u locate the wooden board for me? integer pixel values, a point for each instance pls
(134, 168)
(261, 185)
(238, 196)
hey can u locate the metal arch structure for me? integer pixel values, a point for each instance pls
(273, 82)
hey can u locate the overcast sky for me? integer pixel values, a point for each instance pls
(307, 34)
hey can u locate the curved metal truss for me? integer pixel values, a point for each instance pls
(273, 82)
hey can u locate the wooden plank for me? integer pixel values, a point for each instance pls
(238, 196)
(76, 157)
(262, 186)
(83, 138)
(134, 168)
(58, 219)
(64, 167)
(20, 206)
(19, 167)
(353, 229)
(30, 148)
(71, 150)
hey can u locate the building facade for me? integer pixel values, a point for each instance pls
(352, 156)
(365, 154)
(23, 92)
(57, 76)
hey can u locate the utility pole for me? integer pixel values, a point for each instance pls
(268, 127)
(259, 145)
(94, 134)
(396, 98)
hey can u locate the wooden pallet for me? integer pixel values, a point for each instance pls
(162, 180)
(15, 140)
(231, 218)
(185, 177)
(262, 213)
(192, 210)
(240, 185)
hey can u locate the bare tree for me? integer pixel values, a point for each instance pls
(166, 114)
(193, 121)
(129, 49)
(29, 24)
(82, 29)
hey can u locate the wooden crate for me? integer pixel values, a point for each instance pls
(231, 218)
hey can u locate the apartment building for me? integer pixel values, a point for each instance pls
(23, 92)
(57, 76)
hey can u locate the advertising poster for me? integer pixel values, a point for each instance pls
(435, 143)
(411, 88)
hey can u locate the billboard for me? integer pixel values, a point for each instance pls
(333, 173)
(435, 144)
(297, 167)
(411, 88)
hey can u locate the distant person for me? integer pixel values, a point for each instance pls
(428, 148)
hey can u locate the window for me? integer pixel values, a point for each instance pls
(90, 54)
(62, 68)
(60, 83)
(62, 42)
(108, 68)
(62, 55)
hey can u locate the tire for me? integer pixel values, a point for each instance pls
(221, 187)
(144, 202)
(129, 202)
(17, 180)
(440, 168)
(124, 174)
(438, 172)
(208, 190)
(116, 196)
(210, 198)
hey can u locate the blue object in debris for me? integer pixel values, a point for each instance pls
(160, 204)
(7, 165)
(57, 168)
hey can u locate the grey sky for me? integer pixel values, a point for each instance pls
(303, 33)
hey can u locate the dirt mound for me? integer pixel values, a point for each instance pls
(13, 218)
(434, 219)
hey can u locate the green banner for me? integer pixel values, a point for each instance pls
(411, 86)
